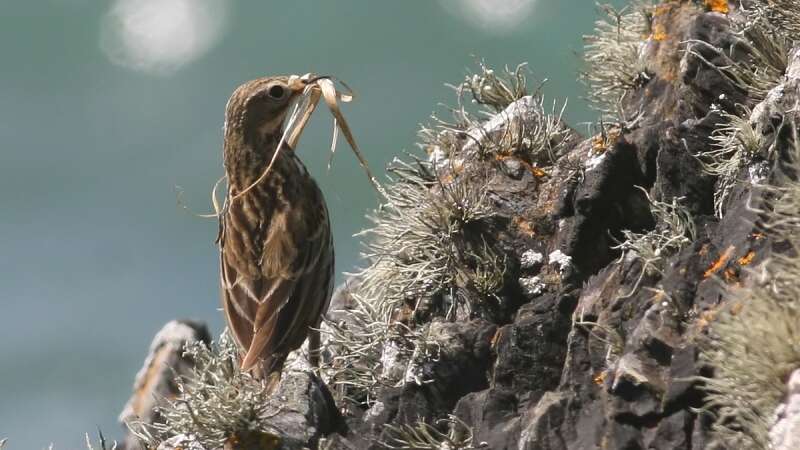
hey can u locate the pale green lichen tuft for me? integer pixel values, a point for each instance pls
(495, 91)
(423, 436)
(216, 400)
(615, 63)
(509, 121)
(737, 145)
(784, 15)
(754, 345)
(674, 228)
(361, 347)
(419, 245)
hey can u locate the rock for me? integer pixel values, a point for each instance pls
(455, 365)
(530, 352)
(671, 432)
(304, 411)
(295, 416)
(785, 433)
(493, 417)
(180, 442)
(540, 424)
(336, 442)
(164, 361)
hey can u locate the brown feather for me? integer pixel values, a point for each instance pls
(276, 261)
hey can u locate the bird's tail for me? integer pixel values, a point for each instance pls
(268, 370)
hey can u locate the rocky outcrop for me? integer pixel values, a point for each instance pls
(199, 400)
(537, 289)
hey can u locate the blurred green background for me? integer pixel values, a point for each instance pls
(106, 107)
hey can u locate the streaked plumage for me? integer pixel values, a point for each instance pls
(276, 253)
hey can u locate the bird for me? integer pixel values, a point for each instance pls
(275, 240)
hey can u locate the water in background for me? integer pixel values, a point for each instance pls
(106, 107)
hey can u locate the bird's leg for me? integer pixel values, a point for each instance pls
(314, 348)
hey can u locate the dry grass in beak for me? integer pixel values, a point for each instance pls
(325, 87)
(314, 88)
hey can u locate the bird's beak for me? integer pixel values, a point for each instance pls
(299, 83)
(304, 87)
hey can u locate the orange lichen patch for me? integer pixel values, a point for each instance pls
(659, 29)
(404, 314)
(720, 6)
(599, 144)
(746, 259)
(671, 21)
(536, 171)
(455, 169)
(757, 236)
(720, 262)
(524, 226)
(706, 317)
(659, 33)
(551, 278)
(730, 276)
(658, 296)
(600, 378)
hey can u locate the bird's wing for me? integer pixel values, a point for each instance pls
(270, 311)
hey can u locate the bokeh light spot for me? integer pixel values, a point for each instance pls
(161, 36)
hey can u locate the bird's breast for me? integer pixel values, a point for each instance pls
(265, 228)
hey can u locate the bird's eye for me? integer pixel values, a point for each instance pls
(277, 92)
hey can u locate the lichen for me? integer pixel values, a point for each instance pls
(614, 59)
(432, 249)
(216, 401)
(102, 444)
(429, 237)
(423, 436)
(737, 144)
(754, 63)
(674, 228)
(753, 347)
(784, 15)
(754, 344)
(363, 348)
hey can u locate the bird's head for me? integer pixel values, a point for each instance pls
(255, 116)
(257, 109)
